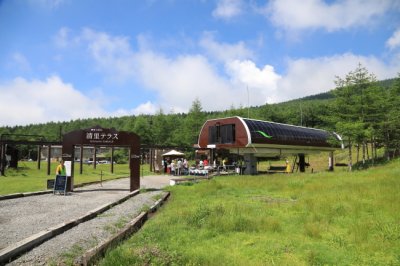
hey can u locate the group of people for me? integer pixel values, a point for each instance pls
(177, 166)
(180, 166)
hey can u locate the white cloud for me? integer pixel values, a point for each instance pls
(20, 62)
(306, 77)
(314, 14)
(224, 51)
(61, 39)
(178, 81)
(113, 55)
(39, 101)
(145, 108)
(227, 9)
(394, 41)
(261, 82)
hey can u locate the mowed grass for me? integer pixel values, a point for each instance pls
(28, 178)
(326, 218)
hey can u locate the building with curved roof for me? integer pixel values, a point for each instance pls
(255, 138)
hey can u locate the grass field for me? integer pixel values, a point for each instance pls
(325, 218)
(28, 178)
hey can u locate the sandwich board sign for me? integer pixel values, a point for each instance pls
(60, 184)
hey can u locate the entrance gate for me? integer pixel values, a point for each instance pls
(104, 137)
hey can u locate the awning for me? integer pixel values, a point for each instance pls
(173, 153)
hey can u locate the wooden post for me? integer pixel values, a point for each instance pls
(134, 166)
(81, 160)
(331, 161)
(151, 160)
(302, 163)
(39, 151)
(94, 157)
(112, 159)
(2, 159)
(48, 159)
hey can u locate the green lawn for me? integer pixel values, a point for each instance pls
(28, 178)
(326, 218)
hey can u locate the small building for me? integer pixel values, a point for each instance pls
(252, 139)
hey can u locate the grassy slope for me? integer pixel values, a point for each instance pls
(301, 219)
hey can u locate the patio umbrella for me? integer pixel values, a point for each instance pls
(172, 153)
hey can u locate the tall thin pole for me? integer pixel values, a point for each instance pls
(248, 102)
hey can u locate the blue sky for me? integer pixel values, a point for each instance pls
(70, 59)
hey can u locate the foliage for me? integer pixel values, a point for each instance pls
(364, 111)
(320, 219)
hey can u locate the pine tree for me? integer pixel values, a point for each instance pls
(351, 108)
(193, 123)
(390, 127)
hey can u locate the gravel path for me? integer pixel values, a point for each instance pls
(23, 217)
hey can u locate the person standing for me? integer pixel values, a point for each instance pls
(172, 167)
(179, 166)
(165, 165)
(60, 170)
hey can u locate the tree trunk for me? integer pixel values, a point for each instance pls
(350, 157)
(372, 151)
(387, 152)
(358, 153)
(363, 152)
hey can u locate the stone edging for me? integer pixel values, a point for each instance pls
(92, 255)
(14, 250)
(37, 193)
(26, 194)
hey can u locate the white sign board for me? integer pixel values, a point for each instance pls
(68, 167)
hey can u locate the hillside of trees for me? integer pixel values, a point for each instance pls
(364, 111)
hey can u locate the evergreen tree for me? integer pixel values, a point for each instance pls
(142, 127)
(351, 107)
(193, 123)
(390, 126)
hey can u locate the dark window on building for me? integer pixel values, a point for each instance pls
(212, 135)
(223, 134)
(228, 133)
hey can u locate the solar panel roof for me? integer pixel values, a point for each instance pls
(264, 132)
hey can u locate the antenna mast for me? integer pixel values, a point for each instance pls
(248, 102)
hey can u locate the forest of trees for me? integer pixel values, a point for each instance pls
(364, 111)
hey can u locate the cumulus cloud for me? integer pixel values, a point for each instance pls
(261, 81)
(145, 108)
(177, 81)
(306, 77)
(113, 54)
(315, 14)
(227, 9)
(62, 38)
(20, 62)
(394, 41)
(38, 101)
(225, 51)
